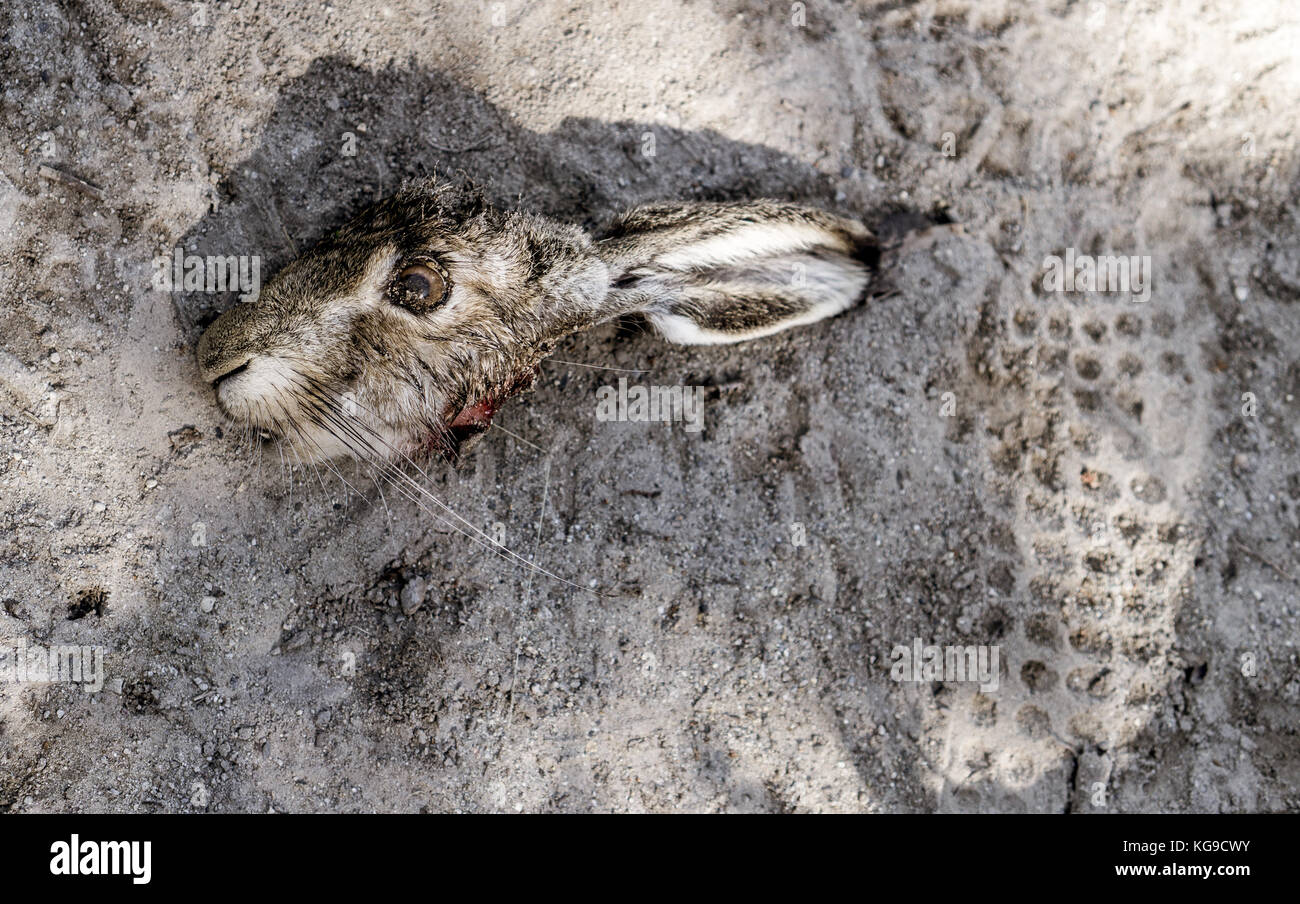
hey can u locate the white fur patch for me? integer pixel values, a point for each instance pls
(684, 331)
(752, 240)
(267, 380)
(836, 285)
(267, 394)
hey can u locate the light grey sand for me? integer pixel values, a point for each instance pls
(1090, 499)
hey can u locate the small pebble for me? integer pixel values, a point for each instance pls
(413, 595)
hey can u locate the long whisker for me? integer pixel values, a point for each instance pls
(328, 407)
(496, 426)
(383, 498)
(327, 413)
(622, 370)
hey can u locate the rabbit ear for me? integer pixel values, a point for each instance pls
(707, 273)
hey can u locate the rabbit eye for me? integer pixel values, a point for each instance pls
(420, 287)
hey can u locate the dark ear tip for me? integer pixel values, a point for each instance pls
(896, 226)
(867, 250)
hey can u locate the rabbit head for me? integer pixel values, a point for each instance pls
(402, 333)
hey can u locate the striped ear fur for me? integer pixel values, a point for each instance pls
(709, 273)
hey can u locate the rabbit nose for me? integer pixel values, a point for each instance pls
(223, 348)
(238, 369)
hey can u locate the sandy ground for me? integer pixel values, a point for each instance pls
(1106, 490)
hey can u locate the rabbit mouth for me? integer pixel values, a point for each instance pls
(471, 421)
(465, 422)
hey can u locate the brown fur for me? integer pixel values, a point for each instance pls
(322, 333)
